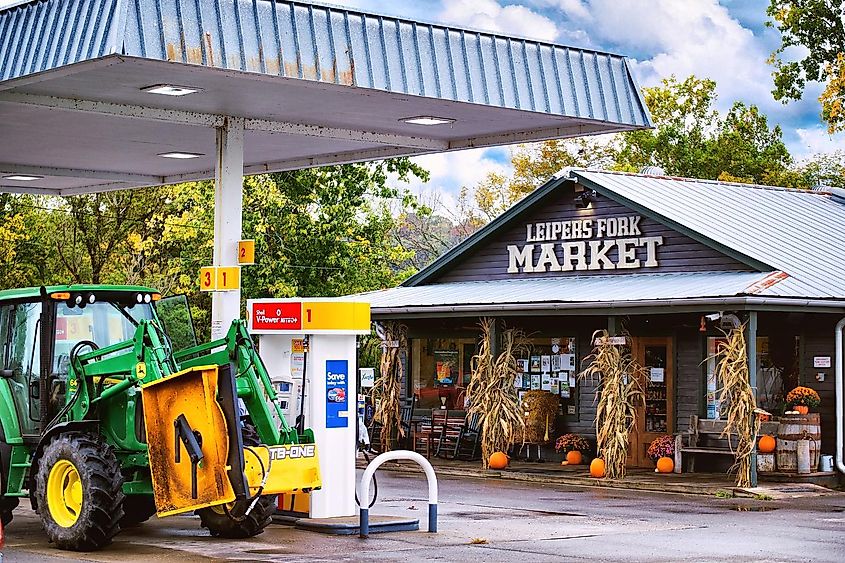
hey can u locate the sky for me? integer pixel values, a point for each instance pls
(724, 40)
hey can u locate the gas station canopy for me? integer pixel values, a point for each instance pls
(99, 95)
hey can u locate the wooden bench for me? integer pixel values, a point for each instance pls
(704, 437)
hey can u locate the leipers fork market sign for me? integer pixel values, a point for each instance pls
(612, 243)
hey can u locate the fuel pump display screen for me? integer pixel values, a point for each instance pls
(337, 396)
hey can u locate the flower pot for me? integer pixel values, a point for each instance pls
(802, 409)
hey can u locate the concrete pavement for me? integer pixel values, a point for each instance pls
(494, 520)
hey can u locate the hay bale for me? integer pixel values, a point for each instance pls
(539, 410)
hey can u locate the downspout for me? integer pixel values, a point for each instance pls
(840, 403)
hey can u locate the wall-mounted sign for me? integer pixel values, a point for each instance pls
(611, 243)
(368, 377)
(821, 361)
(246, 252)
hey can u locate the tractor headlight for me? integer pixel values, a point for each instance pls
(77, 299)
(147, 298)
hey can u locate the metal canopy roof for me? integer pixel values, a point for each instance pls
(316, 85)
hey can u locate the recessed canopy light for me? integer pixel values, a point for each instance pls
(22, 177)
(180, 155)
(170, 90)
(427, 120)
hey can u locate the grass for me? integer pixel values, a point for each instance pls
(763, 497)
(491, 393)
(737, 393)
(724, 494)
(618, 393)
(386, 389)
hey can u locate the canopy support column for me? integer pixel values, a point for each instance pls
(228, 216)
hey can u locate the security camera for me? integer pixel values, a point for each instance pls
(713, 316)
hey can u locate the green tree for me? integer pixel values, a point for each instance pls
(817, 27)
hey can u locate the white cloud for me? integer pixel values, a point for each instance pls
(453, 170)
(489, 15)
(816, 141)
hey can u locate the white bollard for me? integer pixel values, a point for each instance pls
(803, 451)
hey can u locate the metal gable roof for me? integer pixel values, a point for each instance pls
(326, 44)
(801, 233)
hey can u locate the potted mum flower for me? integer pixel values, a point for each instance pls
(662, 452)
(802, 399)
(573, 446)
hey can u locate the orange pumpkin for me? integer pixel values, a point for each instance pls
(665, 465)
(499, 460)
(767, 444)
(574, 457)
(597, 468)
(802, 409)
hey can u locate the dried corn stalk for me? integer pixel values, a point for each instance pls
(737, 393)
(386, 389)
(491, 393)
(618, 392)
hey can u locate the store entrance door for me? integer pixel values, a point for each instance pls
(655, 414)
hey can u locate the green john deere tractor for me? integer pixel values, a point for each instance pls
(110, 413)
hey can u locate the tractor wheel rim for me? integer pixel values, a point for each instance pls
(64, 493)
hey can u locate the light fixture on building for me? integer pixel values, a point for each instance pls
(22, 177)
(584, 199)
(180, 155)
(427, 120)
(170, 90)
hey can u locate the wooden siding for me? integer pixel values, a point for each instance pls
(818, 341)
(678, 253)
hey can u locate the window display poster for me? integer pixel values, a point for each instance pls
(556, 363)
(657, 375)
(567, 362)
(535, 382)
(571, 380)
(546, 364)
(535, 364)
(337, 402)
(546, 382)
(522, 366)
(555, 389)
(564, 390)
(446, 366)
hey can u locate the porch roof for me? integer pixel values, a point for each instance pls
(589, 294)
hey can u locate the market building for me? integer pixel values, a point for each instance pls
(668, 261)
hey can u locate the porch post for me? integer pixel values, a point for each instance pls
(751, 342)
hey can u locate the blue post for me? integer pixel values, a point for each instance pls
(364, 523)
(432, 518)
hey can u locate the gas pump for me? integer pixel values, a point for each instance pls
(309, 349)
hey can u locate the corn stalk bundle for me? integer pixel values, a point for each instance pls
(491, 393)
(737, 393)
(539, 409)
(618, 392)
(386, 389)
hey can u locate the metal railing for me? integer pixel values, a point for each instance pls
(364, 487)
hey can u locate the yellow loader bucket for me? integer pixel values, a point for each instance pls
(288, 469)
(188, 396)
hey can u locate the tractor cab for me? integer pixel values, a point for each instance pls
(81, 319)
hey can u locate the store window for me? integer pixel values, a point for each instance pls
(442, 368)
(770, 376)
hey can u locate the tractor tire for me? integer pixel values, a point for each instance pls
(218, 521)
(78, 489)
(137, 509)
(7, 505)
